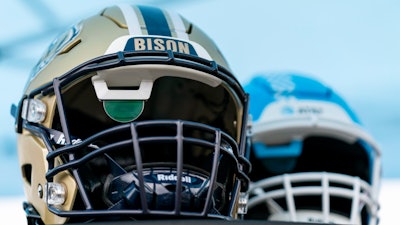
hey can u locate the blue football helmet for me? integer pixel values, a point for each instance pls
(312, 159)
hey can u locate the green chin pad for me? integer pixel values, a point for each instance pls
(123, 111)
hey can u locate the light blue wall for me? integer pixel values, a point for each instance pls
(354, 46)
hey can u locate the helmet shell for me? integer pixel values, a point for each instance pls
(78, 58)
(307, 142)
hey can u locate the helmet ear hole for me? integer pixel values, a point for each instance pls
(27, 172)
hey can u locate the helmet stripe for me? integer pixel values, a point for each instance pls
(131, 19)
(178, 25)
(155, 21)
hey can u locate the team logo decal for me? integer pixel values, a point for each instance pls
(56, 47)
(301, 110)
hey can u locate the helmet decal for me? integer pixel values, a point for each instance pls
(159, 24)
(177, 24)
(156, 43)
(131, 18)
(56, 47)
(281, 86)
(155, 21)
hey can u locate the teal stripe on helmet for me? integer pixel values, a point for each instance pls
(155, 21)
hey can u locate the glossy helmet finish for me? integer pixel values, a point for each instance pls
(132, 113)
(312, 159)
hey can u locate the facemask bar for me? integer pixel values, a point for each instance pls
(132, 58)
(135, 142)
(352, 188)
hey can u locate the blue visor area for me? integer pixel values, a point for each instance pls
(280, 158)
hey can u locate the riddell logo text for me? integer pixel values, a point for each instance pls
(173, 177)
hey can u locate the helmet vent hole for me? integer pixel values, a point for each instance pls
(27, 172)
(189, 30)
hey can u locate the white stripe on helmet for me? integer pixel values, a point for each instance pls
(131, 19)
(178, 25)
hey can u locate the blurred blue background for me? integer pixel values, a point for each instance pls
(353, 46)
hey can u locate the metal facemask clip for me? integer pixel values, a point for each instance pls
(242, 203)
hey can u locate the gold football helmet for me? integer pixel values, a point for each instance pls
(131, 114)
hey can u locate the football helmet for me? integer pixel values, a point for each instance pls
(132, 113)
(312, 159)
